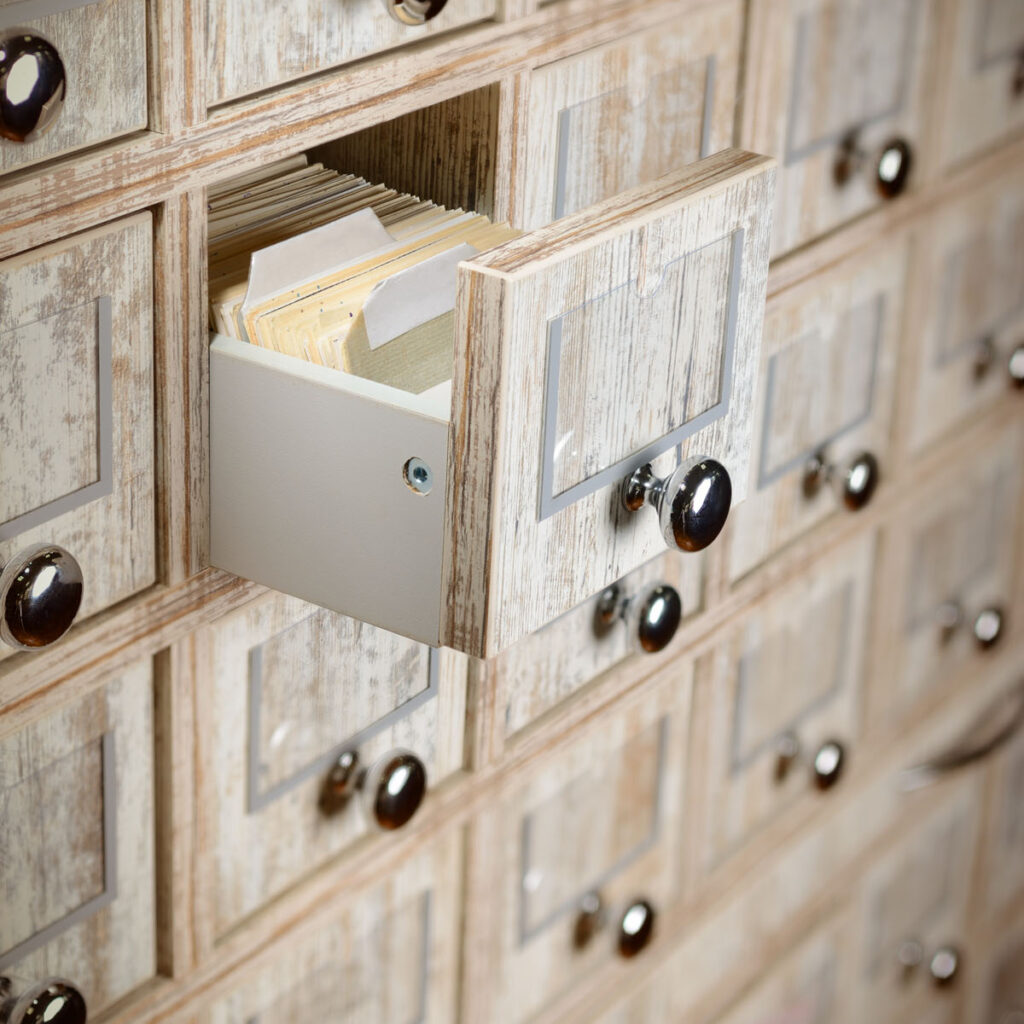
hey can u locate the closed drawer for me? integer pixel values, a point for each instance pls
(290, 689)
(998, 983)
(621, 336)
(967, 310)
(572, 844)
(626, 113)
(76, 410)
(77, 844)
(256, 44)
(984, 78)
(840, 97)
(388, 955)
(101, 47)
(778, 704)
(948, 575)
(825, 398)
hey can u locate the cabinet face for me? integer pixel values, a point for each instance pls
(1002, 999)
(790, 670)
(76, 407)
(967, 299)
(821, 70)
(390, 956)
(828, 365)
(628, 112)
(1004, 840)
(77, 843)
(599, 816)
(285, 688)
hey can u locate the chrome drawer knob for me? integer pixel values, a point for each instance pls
(636, 928)
(591, 917)
(692, 503)
(414, 12)
(1015, 366)
(652, 616)
(40, 594)
(890, 165)
(944, 965)
(54, 1001)
(392, 789)
(32, 86)
(856, 483)
(826, 763)
(988, 627)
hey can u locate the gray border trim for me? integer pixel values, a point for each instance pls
(740, 760)
(109, 892)
(525, 933)
(28, 11)
(795, 154)
(982, 60)
(565, 119)
(105, 411)
(257, 799)
(551, 503)
(765, 476)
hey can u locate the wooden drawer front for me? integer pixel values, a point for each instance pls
(955, 544)
(917, 891)
(967, 302)
(827, 375)
(389, 956)
(984, 92)
(287, 688)
(1002, 1000)
(255, 44)
(550, 666)
(820, 71)
(600, 816)
(1004, 846)
(76, 407)
(77, 847)
(791, 669)
(103, 48)
(626, 113)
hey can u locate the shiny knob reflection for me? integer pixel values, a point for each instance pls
(391, 790)
(1015, 367)
(590, 919)
(856, 483)
(988, 627)
(692, 503)
(54, 1001)
(414, 12)
(825, 764)
(32, 86)
(40, 594)
(636, 928)
(944, 965)
(891, 164)
(652, 616)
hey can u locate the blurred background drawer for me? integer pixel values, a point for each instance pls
(293, 688)
(72, 74)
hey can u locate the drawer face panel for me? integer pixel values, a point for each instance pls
(985, 100)
(389, 957)
(955, 546)
(256, 44)
(968, 302)
(599, 816)
(295, 687)
(622, 114)
(827, 378)
(103, 48)
(76, 407)
(1005, 997)
(78, 881)
(766, 684)
(1004, 847)
(821, 71)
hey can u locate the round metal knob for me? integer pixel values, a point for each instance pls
(636, 928)
(857, 482)
(988, 627)
(1015, 366)
(910, 955)
(944, 965)
(590, 919)
(40, 594)
(54, 1001)
(414, 12)
(32, 86)
(892, 171)
(828, 764)
(652, 615)
(392, 789)
(692, 504)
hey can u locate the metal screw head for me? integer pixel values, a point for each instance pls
(694, 503)
(892, 173)
(590, 919)
(659, 612)
(418, 475)
(342, 780)
(860, 481)
(394, 788)
(945, 965)
(816, 474)
(414, 12)
(828, 764)
(40, 594)
(33, 84)
(54, 1001)
(636, 928)
(1016, 367)
(609, 609)
(988, 627)
(849, 158)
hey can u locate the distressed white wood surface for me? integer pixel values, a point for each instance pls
(996, 988)
(505, 571)
(53, 856)
(50, 317)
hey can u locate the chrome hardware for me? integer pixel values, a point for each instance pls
(992, 729)
(944, 965)
(418, 476)
(32, 86)
(987, 627)
(591, 917)
(890, 165)
(1015, 366)
(856, 484)
(391, 789)
(949, 617)
(910, 955)
(414, 12)
(826, 764)
(985, 354)
(692, 503)
(40, 594)
(652, 615)
(636, 928)
(54, 1001)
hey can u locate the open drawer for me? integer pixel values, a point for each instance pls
(471, 514)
